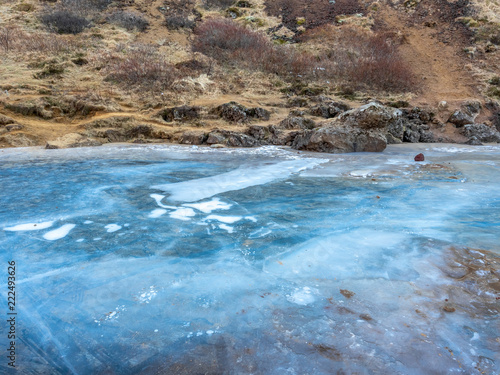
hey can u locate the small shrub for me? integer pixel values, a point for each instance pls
(65, 22)
(179, 21)
(314, 12)
(15, 39)
(142, 67)
(128, 20)
(220, 36)
(363, 60)
(494, 81)
(51, 68)
(228, 41)
(8, 36)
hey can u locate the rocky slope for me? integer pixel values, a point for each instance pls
(343, 77)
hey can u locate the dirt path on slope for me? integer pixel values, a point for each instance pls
(439, 66)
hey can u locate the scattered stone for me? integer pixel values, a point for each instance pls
(235, 112)
(192, 138)
(5, 120)
(473, 141)
(72, 140)
(329, 109)
(217, 145)
(183, 113)
(298, 102)
(19, 140)
(419, 157)
(481, 132)
(459, 118)
(296, 122)
(466, 114)
(231, 139)
(14, 127)
(443, 105)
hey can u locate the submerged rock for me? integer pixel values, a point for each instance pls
(419, 157)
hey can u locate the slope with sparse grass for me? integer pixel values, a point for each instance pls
(135, 57)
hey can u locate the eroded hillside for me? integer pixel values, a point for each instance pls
(87, 72)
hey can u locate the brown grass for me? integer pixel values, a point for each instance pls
(362, 59)
(14, 39)
(229, 42)
(141, 67)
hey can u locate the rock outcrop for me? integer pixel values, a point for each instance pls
(182, 113)
(237, 113)
(479, 133)
(466, 114)
(359, 130)
(72, 140)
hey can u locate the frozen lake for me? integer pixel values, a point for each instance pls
(184, 260)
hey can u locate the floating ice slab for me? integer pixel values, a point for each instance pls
(30, 226)
(241, 178)
(59, 233)
(110, 228)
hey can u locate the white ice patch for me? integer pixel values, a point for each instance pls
(158, 198)
(227, 228)
(238, 179)
(157, 213)
(88, 222)
(361, 173)
(59, 233)
(183, 214)
(147, 295)
(224, 219)
(251, 218)
(112, 228)
(301, 296)
(30, 226)
(207, 207)
(80, 240)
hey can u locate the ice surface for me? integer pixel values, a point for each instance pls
(258, 261)
(157, 213)
(238, 179)
(110, 228)
(183, 214)
(224, 219)
(59, 233)
(30, 226)
(209, 206)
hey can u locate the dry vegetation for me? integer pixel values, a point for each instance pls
(137, 56)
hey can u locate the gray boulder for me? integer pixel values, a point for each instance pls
(231, 139)
(481, 133)
(329, 109)
(182, 113)
(362, 129)
(467, 113)
(340, 139)
(235, 112)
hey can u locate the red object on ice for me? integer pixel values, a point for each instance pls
(419, 157)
